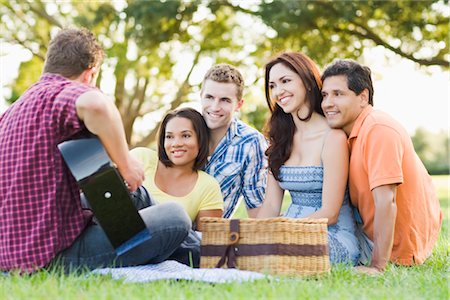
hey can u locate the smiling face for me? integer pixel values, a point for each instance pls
(340, 104)
(181, 142)
(287, 89)
(219, 102)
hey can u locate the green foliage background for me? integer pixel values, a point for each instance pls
(155, 49)
(433, 150)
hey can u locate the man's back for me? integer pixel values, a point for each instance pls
(33, 176)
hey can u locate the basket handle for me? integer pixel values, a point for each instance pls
(229, 255)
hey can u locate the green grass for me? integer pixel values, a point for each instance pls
(428, 281)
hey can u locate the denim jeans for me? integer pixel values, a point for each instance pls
(365, 244)
(188, 252)
(168, 224)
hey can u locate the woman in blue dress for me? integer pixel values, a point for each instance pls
(307, 157)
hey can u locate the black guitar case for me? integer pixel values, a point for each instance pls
(106, 193)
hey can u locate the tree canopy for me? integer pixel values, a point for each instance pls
(415, 30)
(154, 48)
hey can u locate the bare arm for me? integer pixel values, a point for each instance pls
(273, 199)
(335, 159)
(102, 118)
(384, 224)
(216, 213)
(383, 229)
(253, 212)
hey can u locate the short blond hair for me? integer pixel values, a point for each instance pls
(228, 74)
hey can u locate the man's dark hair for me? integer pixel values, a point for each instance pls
(358, 76)
(200, 128)
(73, 51)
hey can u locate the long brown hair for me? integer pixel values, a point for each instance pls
(280, 128)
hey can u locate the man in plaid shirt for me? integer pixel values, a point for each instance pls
(236, 150)
(41, 219)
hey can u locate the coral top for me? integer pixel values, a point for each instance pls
(382, 153)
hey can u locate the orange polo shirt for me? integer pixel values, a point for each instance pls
(382, 153)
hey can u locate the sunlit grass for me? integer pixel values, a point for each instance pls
(428, 281)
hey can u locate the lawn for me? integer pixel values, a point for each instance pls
(428, 281)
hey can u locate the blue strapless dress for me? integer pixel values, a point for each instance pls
(305, 187)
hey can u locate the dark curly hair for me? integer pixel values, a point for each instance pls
(280, 128)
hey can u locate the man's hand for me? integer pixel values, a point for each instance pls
(132, 173)
(367, 270)
(102, 118)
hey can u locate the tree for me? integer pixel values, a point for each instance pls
(155, 47)
(144, 42)
(15, 17)
(433, 150)
(415, 30)
(440, 160)
(421, 143)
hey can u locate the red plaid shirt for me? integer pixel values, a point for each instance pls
(40, 211)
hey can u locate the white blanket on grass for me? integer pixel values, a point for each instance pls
(174, 270)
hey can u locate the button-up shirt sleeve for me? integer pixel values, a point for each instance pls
(240, 166)
(255, 173)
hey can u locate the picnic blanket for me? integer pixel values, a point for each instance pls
(174, 270)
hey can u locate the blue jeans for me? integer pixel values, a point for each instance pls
(168, 224)
(188, 251)
(365, 244)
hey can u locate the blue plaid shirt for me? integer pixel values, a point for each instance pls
(240, 166)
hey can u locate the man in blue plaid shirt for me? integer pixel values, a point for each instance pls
(236, 150)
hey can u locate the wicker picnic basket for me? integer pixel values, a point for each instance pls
(282, 246)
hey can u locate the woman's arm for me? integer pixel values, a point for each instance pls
(216, 213)
(335, 159)
(273, 199)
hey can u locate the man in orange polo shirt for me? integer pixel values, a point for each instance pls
(389, 185)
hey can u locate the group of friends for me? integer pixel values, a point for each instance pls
(338, 157)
